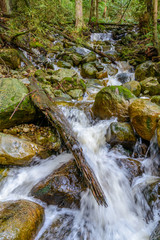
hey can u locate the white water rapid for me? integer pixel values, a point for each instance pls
(123, 219)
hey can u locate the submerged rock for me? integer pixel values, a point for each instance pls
(150, 86)
(120, 133)
(59, 229)
(147, 69)
(15, 151)
(113, 101)
(20, 219)
(12, 91)
(144, 116)
(134, 87)
(63, 187)
(10, 57)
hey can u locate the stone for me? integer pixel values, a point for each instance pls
(63, 64)
(75, 93)
(12, 91)
(147, 69)
(90, 57)
(20, 219)
(113, 101)
(134, 87)
(3, 173)
(102, 74)
(60, 94)
(150, 86)
(156, 99)
(89, 70)
(59, 229)
(123, 77)
(144, 116)
(10, 57)
(60, 74)
(121, 133)
(15, 151)
(62, 187)
(111, 70)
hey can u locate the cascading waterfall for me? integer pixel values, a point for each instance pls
(123, 219)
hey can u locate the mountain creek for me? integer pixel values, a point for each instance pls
(114, 112)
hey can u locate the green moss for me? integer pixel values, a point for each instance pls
(148, 122)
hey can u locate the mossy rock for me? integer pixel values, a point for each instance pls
(156, 99)
(75, 93)
(121, 133)
(10, 57)
(16, 151)
(113, 101)
(20, 219)
(12, 91)
(63, 187)
(63, 64)
(89, 70)
(90, 57)
(147, 69)
(111, 70)
(60, 74)
(150, 86)
(134, 87)
(144, 116)
(40, 75)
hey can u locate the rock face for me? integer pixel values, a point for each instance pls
(59, 229)
(63, 187)
(120, 133)
(20, 219)
(113, 101)
(144, 116)
(12, 92)
(134, 87)
(150, 86)
(10, 57)
(15, 151)
(147, 69)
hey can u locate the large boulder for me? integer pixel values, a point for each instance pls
(15, 151)
(150, 86)
(113, 101)
(63, 187)
(10, 57)
(20, 219)
(134, 87)
(147, 69)
(12, 91)
(120, 133)
(144, 116)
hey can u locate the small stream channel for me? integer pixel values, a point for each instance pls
(124, 218)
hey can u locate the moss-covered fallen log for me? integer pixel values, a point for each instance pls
(58, 120)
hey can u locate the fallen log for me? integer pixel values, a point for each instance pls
(86, 46)
(58, 120)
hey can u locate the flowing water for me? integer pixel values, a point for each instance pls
(123, 219)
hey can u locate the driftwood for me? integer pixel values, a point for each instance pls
(58, 120)
(86, 46)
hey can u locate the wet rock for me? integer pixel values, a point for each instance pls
(60, 74)
(111, 70)
(156, 233)
(123, 77)
(150, 86)
(15, 151)
(147, 69)
(63, 64)
(156, 99)
(144, 116)
(90, 57)
(59, 93)
(12, 91)
(45, 137)
(102, 74)
(10, 57)
(76, 58)
(20, 219)
(40, 75)
(59, 229)
(134, 87)
(3, 173)
(89, 70)
(63, 187)
(120, 133)
(113, 101)
(75, 93)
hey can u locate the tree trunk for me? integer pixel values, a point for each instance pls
(58, 120)
(97, 2)
(5, 6)
(79, 14)
(105, 9)
(155, 31)
(91, 12)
